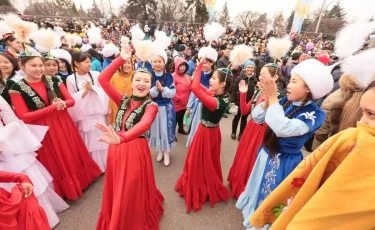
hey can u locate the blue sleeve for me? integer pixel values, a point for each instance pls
(313, 119)
(258, 114)
(286, 127)
(168, 93)
(154, 92)
(192, 98)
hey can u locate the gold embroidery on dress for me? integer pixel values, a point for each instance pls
(209, 124)
(27, 89)
(14, 91)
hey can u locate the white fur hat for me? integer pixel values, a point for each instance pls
(316, 76)
(110, 50)
(85, 47)
(163, 54)
(62, 54)
(208, 52)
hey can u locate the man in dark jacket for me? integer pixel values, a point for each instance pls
(223, 62)
(291, 65)
(248, 75)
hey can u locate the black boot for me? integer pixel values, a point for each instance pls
(225, 116)
(182, 131)
(233, 136)
(239, 136)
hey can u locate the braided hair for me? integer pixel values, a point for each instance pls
(80, 57)
(270, 140)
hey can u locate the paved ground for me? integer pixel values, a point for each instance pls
(83, 213)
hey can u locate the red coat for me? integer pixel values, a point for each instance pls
(183, 86)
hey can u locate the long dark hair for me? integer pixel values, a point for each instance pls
(370, 86)
(67, 65)
(50, 93)
(14, 63)
(223, 77)
(78, 56)
(270, 140)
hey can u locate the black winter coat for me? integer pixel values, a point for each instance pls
(235, 94)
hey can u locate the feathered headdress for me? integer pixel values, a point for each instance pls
(21, 28)
(71, 40)
(278, 47)
(351, 38)
(162, 40)
(359, 66)
(213, 31)
(137, 33)
(46, 40)
(94, 34)
(240, 54)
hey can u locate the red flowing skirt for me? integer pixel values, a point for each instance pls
(20, 213)
(202, 176)
(65, 156)
(131, 200)
(245, 157)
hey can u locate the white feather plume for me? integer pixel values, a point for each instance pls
(4, 29)
(240, 54)
(145, 50)
(125, 51)
(361, 67)
(46, 39)
(352, 37)
(213, 31)
(71, 40)
(22, 29)
(162, 40)
(137, 33)
(94, 34)
(278, 47)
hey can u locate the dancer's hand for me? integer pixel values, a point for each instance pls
(243, 87)
(27, 188)
(159, 86)
(269, 88)
(110, 135)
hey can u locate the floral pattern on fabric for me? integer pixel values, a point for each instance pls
(270, 176)
(278, 210)
(298, 182)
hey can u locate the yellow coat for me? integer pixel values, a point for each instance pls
(333, 188)
(123, 85)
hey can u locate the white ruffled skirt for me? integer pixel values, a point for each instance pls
(15, 141)
(86, 113)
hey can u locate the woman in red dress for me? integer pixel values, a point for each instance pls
(251, 139)
(19, 209)
(202, 176)
(41, 100)
(131, 200)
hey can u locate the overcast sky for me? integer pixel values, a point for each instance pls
(354, 8)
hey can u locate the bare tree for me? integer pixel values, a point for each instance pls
(170, 10)
(7, 7)
(46, 8)
(247, 19)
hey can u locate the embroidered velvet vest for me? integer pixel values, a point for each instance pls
(134, 117)
(32, 98)
(211, 119)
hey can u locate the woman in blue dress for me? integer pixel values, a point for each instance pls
(194, 106)
(292, 121)
(162, 133)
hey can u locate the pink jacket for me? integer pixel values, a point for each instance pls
(183, 86)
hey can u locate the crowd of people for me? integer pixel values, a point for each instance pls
(79, 100)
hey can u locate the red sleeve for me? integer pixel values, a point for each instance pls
(105, 80)
(142, 126)
(8, 177)
(66, 96)
(245, 107)
(23, 113)
(204, 96)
